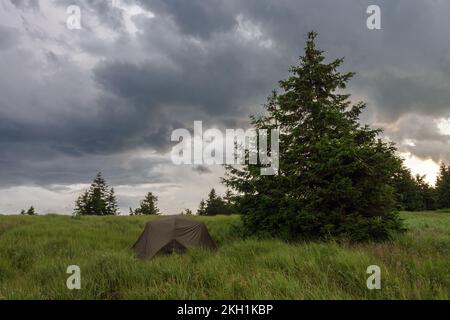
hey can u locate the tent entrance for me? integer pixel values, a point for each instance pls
(173, 247)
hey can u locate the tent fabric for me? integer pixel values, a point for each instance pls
(172, 234)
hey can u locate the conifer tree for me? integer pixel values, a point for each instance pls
(148, 206)
(31, 211)
(229, 198)
(112, 207)
(98, 200)
(335, 176)
(201, 211)
(408, 193)
(427, 193)
(215, 204)
(443, 187)
(186, 212)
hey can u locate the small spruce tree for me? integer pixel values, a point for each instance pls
(427, 193)
(186, 212)
(201, 211)
(112, 207)
(443, 187)
(148, 206)
(98, 200)
(31, 211)
(408, 193)
(216, 205)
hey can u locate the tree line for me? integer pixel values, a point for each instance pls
(100, 200)
(415, 194)
(216, 204)
(412, 194)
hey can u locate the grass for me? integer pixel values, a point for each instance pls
(36, 250)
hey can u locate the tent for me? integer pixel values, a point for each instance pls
(172, 234)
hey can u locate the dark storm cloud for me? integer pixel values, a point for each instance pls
(419, 134)
(7, 38)
(412, 42)
(201, 169)
(396, 95)
(196, 17)
(26, 4)
(214, 83)
(43, 165)
(211, 60)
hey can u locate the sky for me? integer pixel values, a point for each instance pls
(106, 97)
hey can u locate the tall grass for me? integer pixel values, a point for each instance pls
(36, 250)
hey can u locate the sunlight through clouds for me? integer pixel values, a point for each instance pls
(444, 126)
(428, 167)
(130, 12)
(252, 32)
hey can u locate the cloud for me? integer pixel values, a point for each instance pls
(26, 4)
(73, 102)
(7, 39)
(201, 169)
(420, 136)
(197, 18)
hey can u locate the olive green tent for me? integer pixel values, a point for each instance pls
(172, 234)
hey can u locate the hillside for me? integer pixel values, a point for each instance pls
(36, 250)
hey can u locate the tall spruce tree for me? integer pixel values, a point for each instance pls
(335, 176)
(98, 200)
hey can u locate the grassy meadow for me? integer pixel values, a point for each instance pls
(36, 250)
